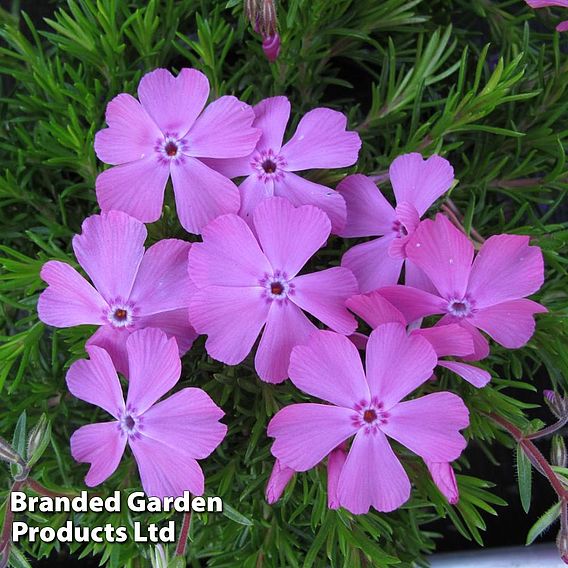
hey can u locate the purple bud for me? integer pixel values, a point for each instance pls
(279, 478)
(562, 544)
(271, 47)
(556, 403)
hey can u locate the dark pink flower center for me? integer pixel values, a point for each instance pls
(120, 314)
(269, 166)
(129, 422)
(460, 307)
(369, 415)
(276, 288)
(171, 148)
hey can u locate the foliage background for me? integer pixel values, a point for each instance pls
(481, 82)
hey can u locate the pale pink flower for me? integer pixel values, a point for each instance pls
(167, 134)
(248, 282)
(133, 288)
(368, 407)
(166, 438)
(483, 294)
(416, 183)
(536, 4)
(450, 340)
(320, 141)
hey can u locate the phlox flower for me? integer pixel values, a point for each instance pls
(483, 294)
(166, 133)
(320, 141)
(416, 183)
(247, 282)
(133, 288)
(368, 407)
(166, 438)
(450, 340)
(562, 26)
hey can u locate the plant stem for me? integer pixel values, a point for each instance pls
(182, 542)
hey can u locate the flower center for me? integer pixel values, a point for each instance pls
(460, 307)
(171, 148)
(120, 314)
(129, 423)
(268, 165)
(369, 415)
(400, 230)
(276, 286)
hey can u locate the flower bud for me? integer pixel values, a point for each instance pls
(445, 479)
(38, 439)
(279, 478)
(271, 47)
(8, 454)
(562, 544)
(558, 451)
(335, 463)
(556, 403)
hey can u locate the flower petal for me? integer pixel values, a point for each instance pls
(372, 476)
(306, 433)
(369, 214)
(286, 327)
(329, 367)
(335, 463)
(224, 130)
(137, 188)
(321, 141)
(113, 341)
(228, 256)
(69, 300)
(562, 26)
(165, 472)
(100, 445)
(416, 278)
(445, 479)
(372, 265)
(162, 282)
(420, 181)
(187, 421)
(230, 167)
(429, 426)
(300, 191)
(218, 312)
(95, 381)
(506, 268)
(174, 323)
(323, 294)
(131, 135)
(289, 236)
(201, 194)
(110, 249)
(279, 479)
(473, 375)
(510, 323)
(272, 116)
(253, 191)
(397, 363)
(174, 102)
(374, 309)
(413, 303)
(448, 339)
(154, 367)
(444, 253)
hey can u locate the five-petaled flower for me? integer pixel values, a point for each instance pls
(246, 282)
(133, 288)
(417, 183)
(164, 134)
(320, 141)
(166, 438)
(368, 407)
(487, 293)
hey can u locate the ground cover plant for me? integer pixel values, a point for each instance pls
(331, 238)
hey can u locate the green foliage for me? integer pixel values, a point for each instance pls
(482, 83)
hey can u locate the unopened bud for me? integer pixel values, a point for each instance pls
(8, 454)
(271, 47)
(262, 16)
(558, 405)
(558, 451)
(38, 439)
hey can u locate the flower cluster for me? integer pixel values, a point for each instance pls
(245, 280)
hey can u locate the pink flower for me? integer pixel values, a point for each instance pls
(166, 438)
(320, 141)
(271, 47)
(562, 26)
(132, 289)
(335, 462)
(447, 340)
(370, 408)
(279, 479)
(246, 283)
(417, 183)
(164, 134)
(445, 479)
(484, 294)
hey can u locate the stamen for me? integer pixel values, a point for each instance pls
(129, 422)
(276, 288)
(120, 314)
(269, 166)
(369, 415)
(171, 148)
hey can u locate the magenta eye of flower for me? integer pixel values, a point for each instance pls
(129, 422)
(276, 288)
(120, 314)
(460, 308)
(369, 415)
(171, 148)
(269, 166)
